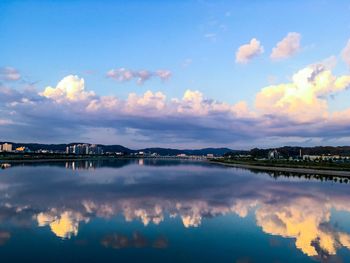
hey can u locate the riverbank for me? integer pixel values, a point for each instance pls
(94, 158)
(327, 171)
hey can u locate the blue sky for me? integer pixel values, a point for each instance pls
(197, 41)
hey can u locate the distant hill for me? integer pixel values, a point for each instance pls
(285, 151)
(120, 148)
(62, 147)
(205, 151)
(291, 151)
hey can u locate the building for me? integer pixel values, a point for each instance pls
(331, 157)
(94, 149)
(274, 154)
(7, 147)
(83, 149)
(307, 157)
(22, 149)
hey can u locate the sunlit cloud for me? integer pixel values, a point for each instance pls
(287, 47)
(299, 108)
(247, 52)
(305, 98)
(70, 88)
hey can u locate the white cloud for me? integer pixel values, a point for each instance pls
(247, 52)
(9, 73)
(124, 75)
(298, 109)
(346, 53)
(70, 88)
(163, 74)
(120, 74)
(287, 47)
(148, 102)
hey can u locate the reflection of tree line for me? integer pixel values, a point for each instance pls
(318, 177)
(113, 163)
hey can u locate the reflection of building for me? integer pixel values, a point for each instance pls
(82, 165)
(5, 165)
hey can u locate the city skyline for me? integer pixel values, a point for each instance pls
(226, 74)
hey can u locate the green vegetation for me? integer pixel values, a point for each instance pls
(303, 164)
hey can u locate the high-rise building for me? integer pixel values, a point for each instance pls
(84, 149)
(94, 149)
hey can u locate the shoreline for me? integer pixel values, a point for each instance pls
(2, 161)
(287, 169)
(46, 160)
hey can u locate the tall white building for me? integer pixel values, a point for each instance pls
(84, 149)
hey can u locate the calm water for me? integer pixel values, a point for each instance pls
(169, 211)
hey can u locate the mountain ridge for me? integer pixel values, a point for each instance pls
(123, 149)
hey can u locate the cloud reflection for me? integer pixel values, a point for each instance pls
(308, 221)
(63, 225)
(63, 199)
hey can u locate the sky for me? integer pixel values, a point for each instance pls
(184, 74)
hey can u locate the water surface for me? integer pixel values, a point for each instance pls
(169, 211)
